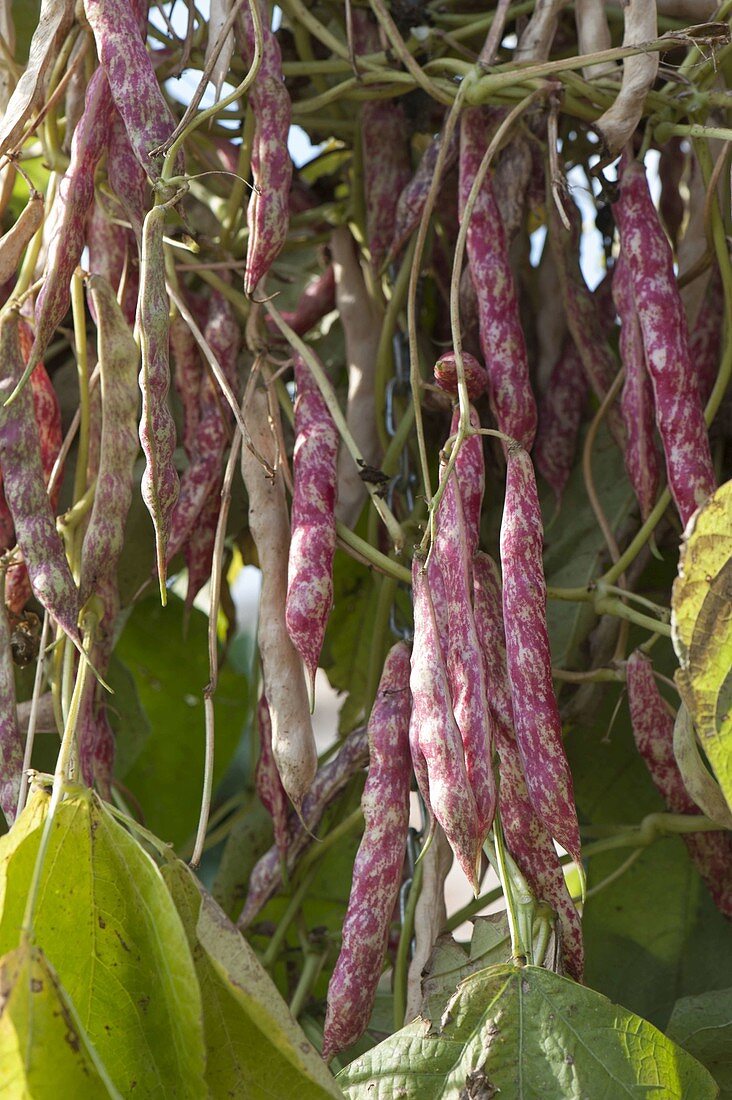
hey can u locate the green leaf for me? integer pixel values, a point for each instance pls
(254, 1046)
(127, 717)
(170, 669)
(654, 933)
(44, 1053)
(111, 932)
(703, 1026)
(527, 1034)
(702, 629)
(575, 548)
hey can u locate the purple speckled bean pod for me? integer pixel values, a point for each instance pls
(653, 730)
(126, 176)
(132, 81)
(453, 552)
(118, 357)
(438, 737)
(642, 460)
(267, 780)
(377, 871)
(585, 321)
(25, 490)
(536, 713)
(74, 200)
(414, 195)
(188, 371)
(12, 744)
(470, 474)
(268, 210)
(679, 415)
(560, 415)
(94, 732)
(313, 538)
(157, 427)
(446, 376)
(327, 785)
(705, 341)
(112, 254)
(501, 335)
(528, 839)
(198, 550)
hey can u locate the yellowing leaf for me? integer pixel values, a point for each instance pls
(254, 1047)
(107, 924)
(44, 1053)
(702, 630)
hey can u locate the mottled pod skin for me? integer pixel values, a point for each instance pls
(501, 335)
(560, 416)
(313, 538)
(434, 730)
(267, 780)
(198, 550)
(188, 371)
(293, 743)
(470, 474)
(327, 785)
(157, 428)
(74, 200)
(132, 81)
(705, 342)
(113, 254)
(127, 177)
(268, 210)
(377, 871)
(585, 320)
(118, 357)
(535, 711)
(446, 376)
(653, 730)
(642, 460)
(414, 194)
(528, 839)
(679, 415)
(25, 490)
(12, 744)
(452, 554)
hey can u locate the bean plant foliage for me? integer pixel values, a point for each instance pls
(423, 309)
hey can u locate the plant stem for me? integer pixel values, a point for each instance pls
(401, 963)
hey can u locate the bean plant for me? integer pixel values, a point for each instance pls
(420, 311)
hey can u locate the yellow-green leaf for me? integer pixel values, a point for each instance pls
(44, 1053)
(702, 630)
(107, 924)
(254, 1046)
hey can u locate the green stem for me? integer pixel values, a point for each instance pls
(401, 963)
(314, 961)
(286, 920)
(611, 605)
(370, 554)
(472, 907)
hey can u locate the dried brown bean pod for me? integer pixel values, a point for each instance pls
(157, 428)
(653, 730)
(293, 743)
(593, 36)
(219, 13)
(536, 41)
(54, 23)
(430, 916)
(327, 785)
(535, 711)
(617, 125)
(361, 328)
(377, 870)
(25, 490)
(14, 242)
(528, 839)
